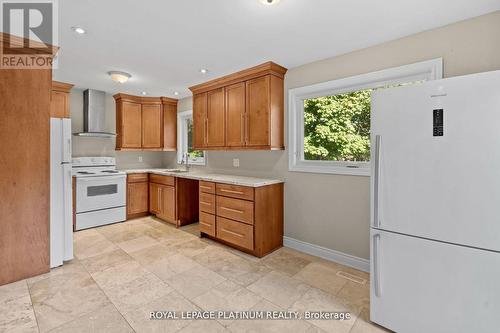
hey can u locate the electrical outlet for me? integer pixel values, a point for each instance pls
(236, 162)
(139, 159)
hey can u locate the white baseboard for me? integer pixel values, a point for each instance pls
(328, 254)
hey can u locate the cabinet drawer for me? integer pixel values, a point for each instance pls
(165, 180)
(236, 233)
(235, 209)
(235, 191)
(137, 177)
(207, 203)
(207, 187)
(207, 223)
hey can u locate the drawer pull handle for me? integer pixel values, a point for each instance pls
(231, 191)
(233, 233)
(205, 203)
(232, 210)
(206, 187)
(205, 224)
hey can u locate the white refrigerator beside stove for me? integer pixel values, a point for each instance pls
(435, 211)
(61, 204)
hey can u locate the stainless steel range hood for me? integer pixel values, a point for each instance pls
(94, 115)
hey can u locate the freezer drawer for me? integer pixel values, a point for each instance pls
(420, 285)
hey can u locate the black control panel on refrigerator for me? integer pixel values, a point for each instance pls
(437, 122)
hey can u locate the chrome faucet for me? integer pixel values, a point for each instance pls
(185, 161)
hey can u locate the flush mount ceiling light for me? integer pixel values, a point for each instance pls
(203, 71)
(269, 2)
(120, 77)
(79, 30)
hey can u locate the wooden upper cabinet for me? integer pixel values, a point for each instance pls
(235, 115)
(152, 118)
(169, 124)
(59, 101)
(146, 123)
(258, 111)
(199, 120)
(131, 125)
(244, 110)
(216, 122)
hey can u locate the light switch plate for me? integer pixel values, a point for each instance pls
(140, 159)
(236, 162)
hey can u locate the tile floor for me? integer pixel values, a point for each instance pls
(121, 272)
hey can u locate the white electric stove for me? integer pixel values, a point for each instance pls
(100, 192)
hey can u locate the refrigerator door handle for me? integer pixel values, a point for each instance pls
(376, 264)
(68, 151)
(376, 182)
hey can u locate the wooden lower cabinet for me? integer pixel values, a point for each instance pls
(253, 225)
(207, 223)
(235, 233)
(174, 200)
(154, 198)
(247, 218)
(162, 201)
(137, 199)
(167, 203)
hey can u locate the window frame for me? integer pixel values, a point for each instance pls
(182, 142)
(425, 70)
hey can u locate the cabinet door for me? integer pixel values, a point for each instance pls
(154, 198)
(151, 126)
(131, 125)
(215, 118)
(137, 198)
(59, 105)
(199, 120)
(235, 115)
(168, 203)
(258, 107)
(169, 127)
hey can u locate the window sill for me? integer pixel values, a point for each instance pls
(334, 170)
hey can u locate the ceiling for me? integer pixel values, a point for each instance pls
(164, 43)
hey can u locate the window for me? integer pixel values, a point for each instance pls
(185, 140)
(329, 123)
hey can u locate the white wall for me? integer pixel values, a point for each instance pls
(332, 211)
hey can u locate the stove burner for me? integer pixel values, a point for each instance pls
(109, 171)
(85, 173)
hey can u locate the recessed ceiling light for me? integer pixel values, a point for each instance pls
(176, 93)
(269, 2)
(144, 93)
(120, 77)
(203, 71)
(79, 30)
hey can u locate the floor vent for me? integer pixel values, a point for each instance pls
(351, 277)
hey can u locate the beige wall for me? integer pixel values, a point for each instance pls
(333, 210)
(83, 146)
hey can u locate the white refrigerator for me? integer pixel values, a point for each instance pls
(435, 206)
(61, 203)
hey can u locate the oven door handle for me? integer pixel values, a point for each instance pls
(106, 178)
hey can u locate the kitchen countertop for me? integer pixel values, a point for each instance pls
(211, 177)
